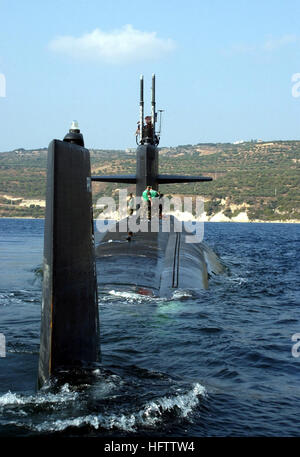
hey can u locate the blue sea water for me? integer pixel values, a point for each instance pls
(218, 363)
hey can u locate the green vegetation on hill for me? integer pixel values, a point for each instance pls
(259, 178)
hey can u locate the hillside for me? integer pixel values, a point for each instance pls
(256, 179)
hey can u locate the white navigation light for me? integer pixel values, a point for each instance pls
(74, 125)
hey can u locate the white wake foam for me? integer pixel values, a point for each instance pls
(42, 397)
(151, 414)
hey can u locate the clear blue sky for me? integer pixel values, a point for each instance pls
(223, 69)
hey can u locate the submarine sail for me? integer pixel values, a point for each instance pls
(147, 155)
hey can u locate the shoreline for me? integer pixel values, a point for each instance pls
(208, 222)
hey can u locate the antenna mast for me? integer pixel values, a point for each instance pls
(153, 114)
(141, 108)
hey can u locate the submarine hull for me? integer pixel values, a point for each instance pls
(154, 262)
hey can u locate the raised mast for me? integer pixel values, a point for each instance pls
(141, 108)
(153, 114)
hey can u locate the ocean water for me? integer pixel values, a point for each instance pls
(213, 363)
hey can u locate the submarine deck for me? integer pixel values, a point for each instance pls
(157, 261)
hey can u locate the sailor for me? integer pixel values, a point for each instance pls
(147, 200)
(160, 196)
(147, 193)
(148, 128)
(130, 235)
(154, 202)
(137, 132)
(154, 193)
(130, 204)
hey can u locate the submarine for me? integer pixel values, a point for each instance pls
(156, 259)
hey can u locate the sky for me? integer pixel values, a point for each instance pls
(225, 71)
